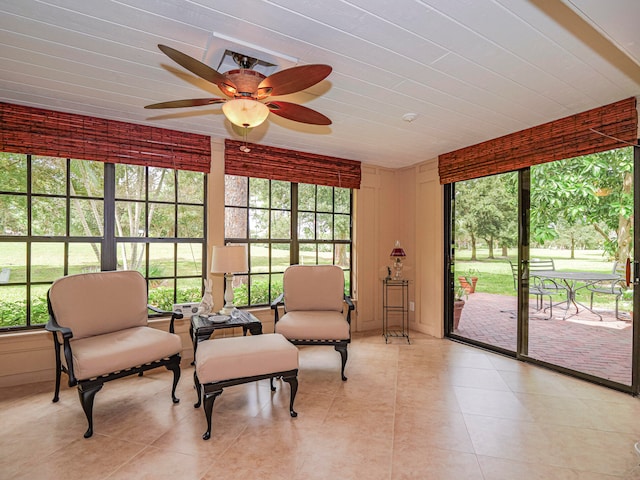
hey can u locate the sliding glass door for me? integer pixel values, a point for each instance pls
(538, 263)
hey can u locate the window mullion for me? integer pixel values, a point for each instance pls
(109, 246)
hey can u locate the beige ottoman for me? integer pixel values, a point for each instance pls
(224, 362)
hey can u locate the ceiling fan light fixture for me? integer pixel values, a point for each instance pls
(245, 112)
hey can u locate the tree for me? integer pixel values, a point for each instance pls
(594, 190)
(487, 208)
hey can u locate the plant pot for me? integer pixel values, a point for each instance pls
(458, 305)
(474, 281)
(464, 284)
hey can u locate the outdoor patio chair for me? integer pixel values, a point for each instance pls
(314, 299)
(616, 287)
(100, 333)
(541, 287)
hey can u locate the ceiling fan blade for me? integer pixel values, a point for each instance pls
(195, 66)
(298, 113)
(295, 79)
(193, 102)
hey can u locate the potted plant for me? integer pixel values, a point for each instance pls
(469, 280)
(458, 305)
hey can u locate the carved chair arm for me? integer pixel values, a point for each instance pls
(66, 333)
(347, 300)
(174, 315)
(274, 306)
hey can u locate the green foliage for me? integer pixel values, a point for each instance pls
(13, 313)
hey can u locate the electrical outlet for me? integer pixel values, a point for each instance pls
(186, 309)
(412, 306)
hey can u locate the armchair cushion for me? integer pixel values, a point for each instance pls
(313, 287)
(103, 302)
(313, 325)
(115, 351)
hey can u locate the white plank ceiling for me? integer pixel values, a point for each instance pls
(471, 70)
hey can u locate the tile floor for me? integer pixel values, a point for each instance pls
(434, 409)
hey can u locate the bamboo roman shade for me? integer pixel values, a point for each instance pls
(49, 133)
(604, 128)
(289, 165)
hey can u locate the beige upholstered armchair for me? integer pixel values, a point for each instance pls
(314, 300)
(100, 333)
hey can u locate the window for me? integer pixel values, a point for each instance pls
(285, 223)
(64, 216)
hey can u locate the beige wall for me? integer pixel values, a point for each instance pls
(404, 205)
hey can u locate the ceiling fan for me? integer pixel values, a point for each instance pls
(249, 91)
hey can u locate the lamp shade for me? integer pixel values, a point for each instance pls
(229, 259)
(398, 251)
(245, 112)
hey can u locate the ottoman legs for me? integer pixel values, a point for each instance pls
(214, 389)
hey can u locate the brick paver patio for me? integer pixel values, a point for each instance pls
(582, 342)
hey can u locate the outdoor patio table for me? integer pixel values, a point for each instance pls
(574, 281)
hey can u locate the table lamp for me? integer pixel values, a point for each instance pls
(397, 255)
(229, 259)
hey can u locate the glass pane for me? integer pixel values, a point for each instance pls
(190, 187)
(84, 258)
(240, 290)
(162, 184)
(342, 224)
(161, 293)
(324, 226)
(39, 310)
(306, 197)
(276, 286)
(130, 219)
(306, 226)
(13, 306)
(13, 215)
(13, 261)
(188, 290)
(342, 200)
(486, 233)
(281, 195)
(161, 260)
(162, 220)
(130, 182)
(235, 190)
(189, 259)
(87, 178)
(87, 218)
(258, 223)
(307, 254)
(48, 216)
(325, 254)
(259, 192)
(347, 282)
(190, 221)
(280, 224)
(235, 222)
(47, 261)
(280, 256)
(49, 175)
(13, 172)
(582, 224)
(325, 199)
(259, 258)
(259, 289)
(342, 255)
(131, 256)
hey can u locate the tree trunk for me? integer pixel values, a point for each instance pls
(625, 224)
(505, 251)
(573, 247)
(490, 245)
(474, 255)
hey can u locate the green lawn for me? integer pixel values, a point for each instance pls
(494, 275)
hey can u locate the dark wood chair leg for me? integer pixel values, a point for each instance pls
(87, 395)
(174, 366)
(209, 398)
(293, 382)
(342, 350)
(56, 394)
(198, 387)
